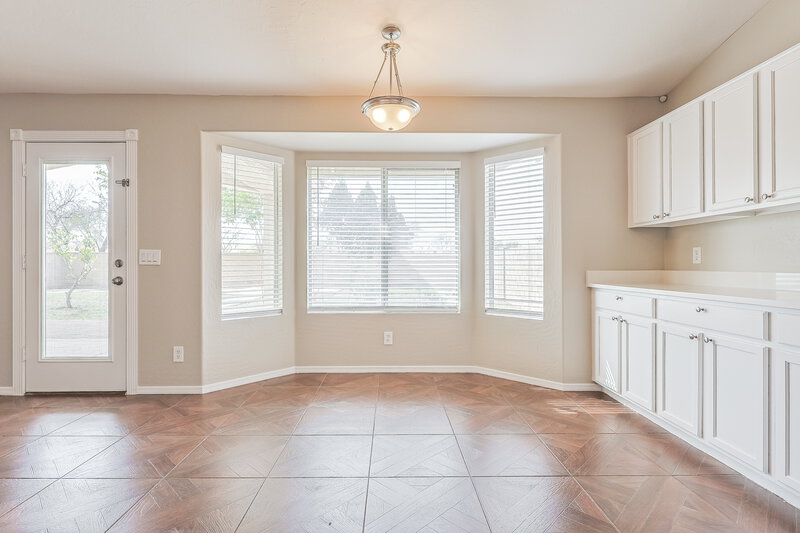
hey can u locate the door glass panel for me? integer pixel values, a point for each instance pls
(74, 269)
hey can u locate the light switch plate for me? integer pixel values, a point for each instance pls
(697, 255)
(149, 257)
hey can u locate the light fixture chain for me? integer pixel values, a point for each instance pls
(397, 75)
(379, 75)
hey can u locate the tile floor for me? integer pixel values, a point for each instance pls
(363, 452)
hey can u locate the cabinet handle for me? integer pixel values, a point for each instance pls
(707, 340)
(766, 196)
(656, 217)
(666, 215)
(619, 298)
(692, 336)
(748, 199)
(700, 309)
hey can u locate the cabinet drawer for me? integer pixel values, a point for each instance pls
(703, 316)
(624, 302)
(786, 329)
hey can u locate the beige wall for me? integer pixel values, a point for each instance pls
(593, 197)
(523, 346)
(769, 243)
(243, 346)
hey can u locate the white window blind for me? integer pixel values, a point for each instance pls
(515, 235)
(383, 239)
(251, 234)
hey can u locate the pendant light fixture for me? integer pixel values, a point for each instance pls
(390, 112)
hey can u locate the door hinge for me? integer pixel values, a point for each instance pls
(125, 183)
(24, 262)
(24, 170)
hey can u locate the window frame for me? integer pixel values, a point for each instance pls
(488, 245)
(385, 166)
(278, 259)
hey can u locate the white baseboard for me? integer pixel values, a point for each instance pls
(746, 470)
(213, 387)
(557, 385)
(246, 380)
(169, 389)
(370, 369)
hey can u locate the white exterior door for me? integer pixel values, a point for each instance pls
(75, 252)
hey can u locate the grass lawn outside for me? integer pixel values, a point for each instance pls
(87, 304)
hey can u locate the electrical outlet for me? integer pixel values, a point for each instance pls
(697, 255)
(177, 354)
(388, 338)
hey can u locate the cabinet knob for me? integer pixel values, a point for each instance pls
(748, 199)
(692, 336)
(707, 339)
(666, 215)
(614, 318)
(619, 298)
(656, 217)
(700, 309)
(766, 196)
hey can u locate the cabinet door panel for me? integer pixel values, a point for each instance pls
(646, 167)
(639, 361)
(680, 380)
(780, 128)
(683, 161)
(607, 351)
(736, 384)
(786, 399)
(731, 145)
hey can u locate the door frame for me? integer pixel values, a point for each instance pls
(19, 140)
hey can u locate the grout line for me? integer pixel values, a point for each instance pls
(369, 465)
(469, 474)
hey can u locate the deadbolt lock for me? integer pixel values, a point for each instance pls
(118, 263)
(117, 280)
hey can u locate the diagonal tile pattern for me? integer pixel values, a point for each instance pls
(363, 452)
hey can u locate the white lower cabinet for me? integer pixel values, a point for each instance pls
(736, 377)
(638, 360)
(786, 409)
(724, 376)
(607, 350)
(680, 383)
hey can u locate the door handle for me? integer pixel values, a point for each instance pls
(117, 280)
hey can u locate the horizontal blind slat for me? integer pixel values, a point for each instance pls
(383, 238)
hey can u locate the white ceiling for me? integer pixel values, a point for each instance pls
(384, 142)
(331, 47)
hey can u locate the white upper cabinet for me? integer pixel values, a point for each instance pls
(731, 147)
(731, 152)
(644, 175)
(779, 87)
(683, 161)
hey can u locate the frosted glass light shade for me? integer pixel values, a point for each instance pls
(390, 113)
